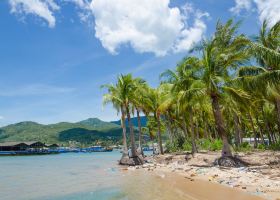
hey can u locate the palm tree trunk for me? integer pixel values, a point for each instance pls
(206, 130)
(169, 128)
(153, 146)
(140, 131)
(254, 131)
(261, 129)
(226, 151)
(196, 130)
(186, 131)
(271, 133)
(205, 127)
(157, 118)
(132, 136)
(242, 129)
(237, 130)
(277, 105)
(194, 148)
(266, 127)
(125, 156)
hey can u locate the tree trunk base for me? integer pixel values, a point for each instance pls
(230, 161)
(124, 159)
(140, 152)
(132, 161)
(137, 160)
(226, 151)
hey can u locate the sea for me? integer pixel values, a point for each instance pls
(96, 176)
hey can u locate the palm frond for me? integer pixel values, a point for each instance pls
(250, 71)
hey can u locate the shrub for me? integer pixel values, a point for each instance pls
(244, 146)
(187, 146)
(275, 146)
(211, 145)
(261, 147)
(171, 146)
(204, 144)
(216, 145)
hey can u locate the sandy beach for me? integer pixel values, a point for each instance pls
(261, 178)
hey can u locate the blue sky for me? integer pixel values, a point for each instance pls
(55, 54)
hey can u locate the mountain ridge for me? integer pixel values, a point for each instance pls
(91, 130)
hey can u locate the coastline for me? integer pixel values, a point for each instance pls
(260, 178)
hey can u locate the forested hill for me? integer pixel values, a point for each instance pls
(143, 121)
(89, 131)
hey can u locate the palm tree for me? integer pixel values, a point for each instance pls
(138, 102)
(121, 96)
(154, 98)
(185, 88)
(114, 96)
(127, 85)
(266, 49)
(223, 52)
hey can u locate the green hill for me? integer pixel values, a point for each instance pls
(143, 121)
(97, 123)
(87, 131)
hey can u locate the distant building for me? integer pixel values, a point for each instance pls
(13, 146)
(35, 145)
(52, 146)
(23, 146)
(252, 140)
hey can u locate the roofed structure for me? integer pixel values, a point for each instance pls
(13, 146)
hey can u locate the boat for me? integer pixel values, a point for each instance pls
(108, 149)
(7, 153)
(99, 149)
(26, 152)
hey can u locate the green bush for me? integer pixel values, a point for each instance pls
(187, 146)
(171, 146)
(179, 144)
(275, 147)
(261, 147)
(244, 146)
(204, 144)
(216, 145)
(211, 145)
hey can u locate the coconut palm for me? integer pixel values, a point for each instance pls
(138, 102)
(114, 96)
(154, 98)
(223, 52)
(127, 85)
(266, 49)
(121, 96)
(185, 87)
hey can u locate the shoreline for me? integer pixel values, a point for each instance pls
(260, 178)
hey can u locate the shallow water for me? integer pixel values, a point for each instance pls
(96, 176)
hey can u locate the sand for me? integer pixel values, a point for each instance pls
(260, 179)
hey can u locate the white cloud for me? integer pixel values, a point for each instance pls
(81, 3)
(267, 9)
(241, 5)
(34, 89)
(1, 117)
(42, 8)
(191, 35)
(146, 25)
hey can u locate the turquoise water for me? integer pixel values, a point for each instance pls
(96, 176)
(59, 177)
